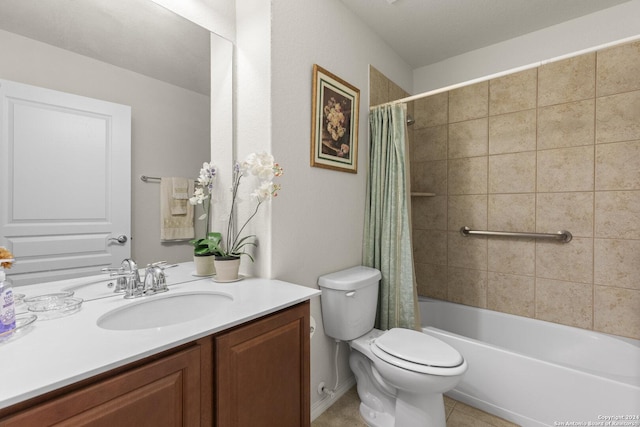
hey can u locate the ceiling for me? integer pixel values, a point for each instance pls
(424, 32)
(138, 35)
(144, 37)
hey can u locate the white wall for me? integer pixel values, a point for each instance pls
(589, 31)
(317, 220)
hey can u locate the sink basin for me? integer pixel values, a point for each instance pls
(164, 310)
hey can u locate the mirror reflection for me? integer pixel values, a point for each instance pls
(130, 52)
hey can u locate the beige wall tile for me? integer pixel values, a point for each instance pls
(432, 110)
(564, 302)
(378, 87)
(467, 286)
(514, 92)
(467, 176)
(616, 214)
(617, 263)
(618, 166)
(429, 177)
(512, 173)
(571, 261)
(512, 294)
(469, 102)
(566, 125)
(466, 252)
(567, 80)
(512, 212)
(616, 311)
(619, 69)
(429, 144)
(513, 132)
(565, 211)
(469, 211)
(618, 117)
(566, 169)
(468, 138)
(512, 256)
(396, 92)
(432, 280)
(429, 246)
(429, 212)
(592, 190)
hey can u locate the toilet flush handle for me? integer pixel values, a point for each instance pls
(350, 294)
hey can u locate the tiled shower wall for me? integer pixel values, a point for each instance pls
(551, 148)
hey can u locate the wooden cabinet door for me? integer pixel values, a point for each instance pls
(262, 372)
(165, 392)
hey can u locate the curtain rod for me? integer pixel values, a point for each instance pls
(507, 72)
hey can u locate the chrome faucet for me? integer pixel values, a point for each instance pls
(127, 275)
(128, 279)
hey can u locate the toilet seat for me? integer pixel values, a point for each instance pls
(418, 352)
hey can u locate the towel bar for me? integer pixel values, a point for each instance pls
(563, 235)
(147, 178)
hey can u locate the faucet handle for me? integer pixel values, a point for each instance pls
(157, 263)
(110, 269)
(155, 280)
(162, 264)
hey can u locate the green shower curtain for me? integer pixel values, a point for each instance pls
(387, 234)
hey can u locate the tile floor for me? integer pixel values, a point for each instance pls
(344, 413)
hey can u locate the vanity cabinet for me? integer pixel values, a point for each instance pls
(255, 374)
(262, 372)
(162, 391)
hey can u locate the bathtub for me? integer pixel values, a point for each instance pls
(537, 373)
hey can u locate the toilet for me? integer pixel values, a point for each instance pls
(401, 374)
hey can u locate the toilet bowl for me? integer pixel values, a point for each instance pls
(401, 374)
(403, 385)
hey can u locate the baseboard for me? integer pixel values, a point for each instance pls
(322, 405)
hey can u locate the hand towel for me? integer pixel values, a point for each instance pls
(179, 196)
(175, 227)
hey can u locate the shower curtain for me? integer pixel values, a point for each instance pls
(387, 235)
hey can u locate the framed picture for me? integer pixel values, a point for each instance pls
(334, 122)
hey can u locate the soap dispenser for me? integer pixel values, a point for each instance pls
(7, 307)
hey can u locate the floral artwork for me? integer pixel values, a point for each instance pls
(334, 140)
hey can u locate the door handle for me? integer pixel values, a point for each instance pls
(121, 239)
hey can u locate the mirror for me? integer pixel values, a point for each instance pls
(132, 52)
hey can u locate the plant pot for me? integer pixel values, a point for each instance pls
(205, 265)
(227, 268)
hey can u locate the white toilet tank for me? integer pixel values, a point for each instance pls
(349, 302)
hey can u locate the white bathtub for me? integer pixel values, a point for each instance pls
(537, 373)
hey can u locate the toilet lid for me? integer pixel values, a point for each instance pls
(416, 347)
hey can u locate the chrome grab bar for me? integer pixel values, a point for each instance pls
(562, 235)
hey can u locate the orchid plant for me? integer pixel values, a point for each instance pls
(264, 168)
(202, 196)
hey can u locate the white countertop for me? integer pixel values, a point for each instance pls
(54, 353)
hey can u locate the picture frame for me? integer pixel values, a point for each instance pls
(334, 122)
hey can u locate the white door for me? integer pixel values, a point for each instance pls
(65, 182)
